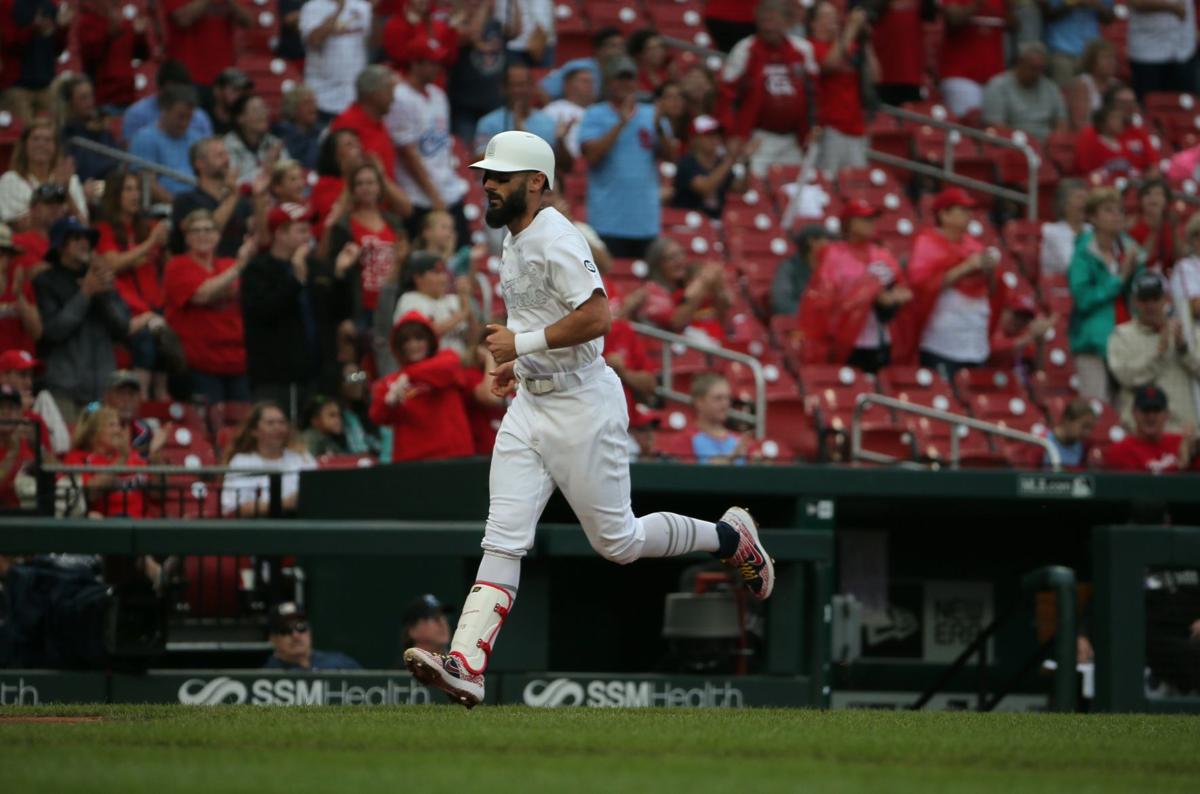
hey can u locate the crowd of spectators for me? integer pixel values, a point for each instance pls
(317, 250)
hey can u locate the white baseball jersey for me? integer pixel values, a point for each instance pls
(424, 119)
(546, 273)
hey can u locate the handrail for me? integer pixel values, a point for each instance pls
(143, 165)
(1030, 198)
(955, 420)
(758, 418)
(60, 468)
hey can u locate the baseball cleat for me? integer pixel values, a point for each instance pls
(750, 561)
(444, 672)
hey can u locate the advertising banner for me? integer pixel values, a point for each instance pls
(632, 691)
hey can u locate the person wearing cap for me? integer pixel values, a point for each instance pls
(426, 289)
(846, 56)
(954, 288)
(1153, 348)
(201, 33)
(168, 142)
(855, 293)
(620, 139)
(200, 289)
(607, 43)
(643, 433)
(231, 85)
(16, 370)
(768, 88)
(288, 346)
(579, 93)
(47, 204)
(423, 625)
(20, 322)
(16, 445)
(1150, 447)
(251, 145)
(566, 427)
(419, 125)
(144, 112)
(124, 395)
(82, 317)
(336, 35)
(1017, 339)
(216, 192)
(39, 158)
(291, 638)
(707, 172)
(1024, 98)
(1100, 276)
(517, 112)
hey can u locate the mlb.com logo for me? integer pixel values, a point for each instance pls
(626, 693)
(300, 692)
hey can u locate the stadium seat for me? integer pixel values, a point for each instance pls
(178, 413)
(790, 422)
(227, 414)
(972, 381)
(814, 377)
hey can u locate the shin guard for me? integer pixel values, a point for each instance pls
(483, 614)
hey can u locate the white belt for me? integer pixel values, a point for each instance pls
(562, 381)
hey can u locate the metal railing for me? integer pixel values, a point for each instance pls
(956, 421)
(946, 173)
(145, 167)
(664, 390)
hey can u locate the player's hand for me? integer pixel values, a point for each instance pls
(504, 380)
(502, 343)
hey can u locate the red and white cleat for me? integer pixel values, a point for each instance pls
(445, 673)
(751, 561)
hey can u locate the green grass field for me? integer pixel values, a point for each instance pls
(267, 750)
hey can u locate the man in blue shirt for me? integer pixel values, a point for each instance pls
(620, 138)
(608, 44)
(167, 142)
(518, 113)
(145, 111)
(1069, 26)
(291, 637)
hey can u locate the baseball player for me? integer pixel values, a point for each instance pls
(566, 426)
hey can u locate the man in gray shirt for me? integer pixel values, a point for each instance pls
(1023, 98)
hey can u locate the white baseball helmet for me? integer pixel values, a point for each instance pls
(518, 151)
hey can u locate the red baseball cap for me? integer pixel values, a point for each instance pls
(952, 197)
(702, 125)
(424, 48)
(17, 360)
(287, 213)
(1019, 301)
(641, 416)
(858, 208)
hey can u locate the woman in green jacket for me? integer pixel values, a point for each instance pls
(1105, 262)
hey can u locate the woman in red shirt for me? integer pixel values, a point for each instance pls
(1112, 144)
(844, 56)
(683, 299)
(341, 151)
(101, 441)
(654, 68)
(425, 399)
(1155, 231)
(358, 216)
(201, 295)
(131, 244)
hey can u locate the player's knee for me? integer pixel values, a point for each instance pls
(621, 549)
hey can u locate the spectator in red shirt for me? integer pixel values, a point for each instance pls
(201, 295)
(685, 299)
(1113, 144)
(648, 51)
(1155, 230)
(972, 49)
(132, 245)
(895, 26)
(424, 400)
(767, 88)
(854, 294)
(845, 55)
(1148, 448)
(374, 89)
(341, 152)
(109, 43)
(16, 370)
(20, 322)
(124, 396)
(100, 440)
(358, 217)
(1016, 341)
(16, 444)
(200, 35)
(418, 20)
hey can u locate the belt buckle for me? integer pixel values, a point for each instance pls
(539, 385)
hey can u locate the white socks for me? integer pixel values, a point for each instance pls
(670, 535)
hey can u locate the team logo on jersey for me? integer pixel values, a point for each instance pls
(587, 263)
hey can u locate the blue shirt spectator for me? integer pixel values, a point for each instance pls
(291, 638)
(1071, 455)
(1070, 33)
(706, 447)
(623, 199)
(501, 120)
(320, 660)
(167, 142)
(144, 113)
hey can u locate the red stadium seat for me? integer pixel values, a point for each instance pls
(987, 380)
(178, 413)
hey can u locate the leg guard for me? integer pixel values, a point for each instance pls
(483, 614)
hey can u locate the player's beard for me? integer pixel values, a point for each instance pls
(510, 208)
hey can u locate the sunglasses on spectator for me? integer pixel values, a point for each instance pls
(299, 627)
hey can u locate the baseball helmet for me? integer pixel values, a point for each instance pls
(512, 151)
